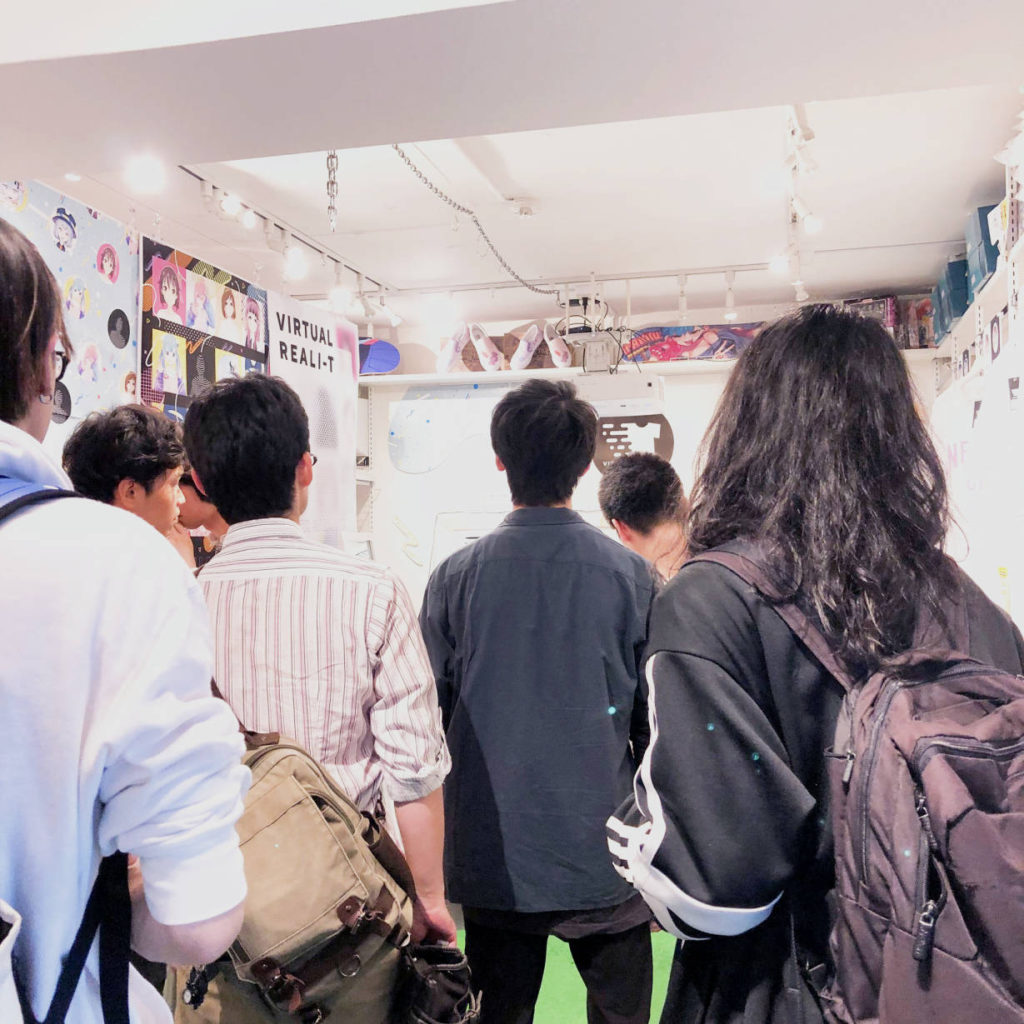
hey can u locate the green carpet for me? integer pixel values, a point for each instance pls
(563, 999)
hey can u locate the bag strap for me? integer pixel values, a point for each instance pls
(18, 494)
(108, 911)
(798, 621)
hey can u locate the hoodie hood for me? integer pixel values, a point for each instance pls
(24, 458)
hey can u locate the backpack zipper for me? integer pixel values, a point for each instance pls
(888, 695)
(968, 748)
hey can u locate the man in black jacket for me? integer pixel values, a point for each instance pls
(536, 635)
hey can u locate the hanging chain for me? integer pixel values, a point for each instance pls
(459, 208)
(332, 188)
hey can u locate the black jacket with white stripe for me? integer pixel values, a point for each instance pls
(729, 827)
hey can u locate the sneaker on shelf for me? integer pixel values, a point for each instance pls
(490, 357)
(560, 354)
(527, 346)
(452, 351)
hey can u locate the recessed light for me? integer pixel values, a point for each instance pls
(71, 176)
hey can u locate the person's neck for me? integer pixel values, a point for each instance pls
(668, 549)
(557, 504)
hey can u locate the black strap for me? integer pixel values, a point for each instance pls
(108, 911)
(751, 572)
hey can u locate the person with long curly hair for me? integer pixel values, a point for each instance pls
(818, 468)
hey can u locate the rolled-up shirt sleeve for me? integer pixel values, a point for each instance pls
(711, 837)
(405, 719)
(173, 783)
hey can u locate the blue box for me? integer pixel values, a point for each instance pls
(953, 291)
(940, 325)
(981, 253)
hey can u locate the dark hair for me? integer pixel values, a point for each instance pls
(545, 436)
(642, 490)
(30, 313)
(817, 450)
(245, 438)
(129, 442)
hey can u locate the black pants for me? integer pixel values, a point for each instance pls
(508, 967)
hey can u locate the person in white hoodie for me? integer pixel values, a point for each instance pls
(112, 741)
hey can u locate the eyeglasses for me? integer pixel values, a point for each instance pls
(312, 459)
(60, 363)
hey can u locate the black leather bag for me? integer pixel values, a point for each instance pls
(435, 987)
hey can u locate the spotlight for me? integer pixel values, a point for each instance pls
(393, 318)
(296, 266)
(339, 297)
(800, 291)
(730, 298)
(71, 176)
(230, 204)
(812, 224)
(248, 219)
(682, 298)
(145, 173)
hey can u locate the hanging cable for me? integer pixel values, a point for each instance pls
(459, 208)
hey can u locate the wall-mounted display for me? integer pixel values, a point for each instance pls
(199, 325)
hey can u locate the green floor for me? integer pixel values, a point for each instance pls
(562, 996)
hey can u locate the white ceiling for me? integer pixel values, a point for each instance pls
(647, 137)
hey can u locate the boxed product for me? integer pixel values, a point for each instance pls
(997, 219)
(950, 298)
(981, 253)
(883, 308)
(915, 322)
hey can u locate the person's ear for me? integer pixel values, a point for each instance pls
(200, 489)
(625, 533)
(125, 494)
(499, 464)
(304, 470)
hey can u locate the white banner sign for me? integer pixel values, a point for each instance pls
(317, 354)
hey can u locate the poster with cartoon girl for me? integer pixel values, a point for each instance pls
(169, 292)
(107, 262)
(65, 229)
(229, 365)
(229, 324)
(129, 386)
(168, 355)
(76, 299)
(254, 317)
(200, 309)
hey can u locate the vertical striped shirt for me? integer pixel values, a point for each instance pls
(325, 648)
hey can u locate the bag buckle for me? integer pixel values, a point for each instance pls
(351, 913)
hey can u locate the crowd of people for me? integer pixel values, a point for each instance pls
(577, 738)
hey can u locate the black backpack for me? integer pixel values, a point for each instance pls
(927, 803)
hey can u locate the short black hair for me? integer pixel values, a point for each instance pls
(244, 439)
(129, 442)
(545, 436)
(642, 490)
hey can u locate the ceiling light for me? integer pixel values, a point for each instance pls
(230, 204)
(730, 297)
(393, 318)
(71, 176)
(296, 266)
(800, 291)
(145, 173)
(248, 219)
(339, 297)
(812, 224)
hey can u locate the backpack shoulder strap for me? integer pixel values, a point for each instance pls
(748, 569)
(17, 494)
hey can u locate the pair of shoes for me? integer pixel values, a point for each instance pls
(560, 354)
(490, 357)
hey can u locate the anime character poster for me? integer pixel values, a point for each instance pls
(667, 344)
(95, 261)
(317, 353)
(199, 325)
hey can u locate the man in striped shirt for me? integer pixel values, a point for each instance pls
(312, 642)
